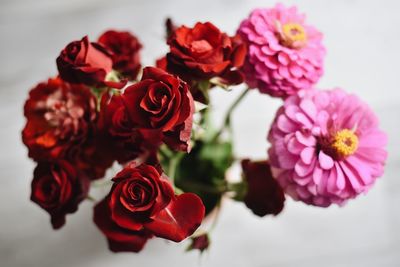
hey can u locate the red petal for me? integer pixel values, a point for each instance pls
(179, 219)
(119, 239)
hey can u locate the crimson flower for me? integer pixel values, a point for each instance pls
(141, 204)
(58, 188)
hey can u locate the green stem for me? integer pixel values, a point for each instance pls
(101, 183)
(173, 163)
(90, 198)
(227, 119)
(216, 217)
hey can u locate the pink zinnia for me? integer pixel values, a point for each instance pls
(326, 147)
(284, 54)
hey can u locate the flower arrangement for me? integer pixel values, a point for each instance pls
(103, 109)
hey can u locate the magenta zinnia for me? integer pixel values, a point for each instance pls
(326, 147)
(284, 54)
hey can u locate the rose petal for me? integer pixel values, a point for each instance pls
(179, 219)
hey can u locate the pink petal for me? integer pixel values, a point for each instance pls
(362, 168)
(351, 176)
(303, 169)
(340, 180)
(325, 161)
(286, 125)
(307, 140)
(309, 108)
(294, 146)
(296, 71)
(307, 154)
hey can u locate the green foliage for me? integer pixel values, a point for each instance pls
(203, 171)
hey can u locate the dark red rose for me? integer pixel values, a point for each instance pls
(125, 49)
(124, 137)
(58, 188)
(203, 53)
(264, 195)
(163, 105)
(201, 242)
(157, 109)
(93, 157)
(60, 117)
(142, 203)
(82, 62)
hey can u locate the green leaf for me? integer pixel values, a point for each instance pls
(203, 171)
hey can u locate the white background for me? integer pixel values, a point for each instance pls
(363, 41)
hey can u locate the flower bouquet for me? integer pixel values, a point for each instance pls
(325, 145)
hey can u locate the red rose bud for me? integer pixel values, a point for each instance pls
(58, 188)
(203, 53)
(264, 195)
(82, 62)
(142, 203)
(125, 49)
(201, 242)
(60, 118)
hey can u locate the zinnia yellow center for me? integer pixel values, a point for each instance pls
(294, 35)
(345, 142)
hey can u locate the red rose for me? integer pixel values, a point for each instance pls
(204, 52)
(125, 52)
(125, 139)
(58, 188)
(264, 195)
(82, 62)
(94, 157)
(59, 116)
(142, 203)
(157, 109)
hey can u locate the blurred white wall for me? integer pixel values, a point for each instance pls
(362, 38)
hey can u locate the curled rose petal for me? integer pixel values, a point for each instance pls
(179, 219)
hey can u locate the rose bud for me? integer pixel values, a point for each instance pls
(142, 203)
(157, 109)
(125, 49)
(83, 62)
(204, 52)
(58, 188)
(60, 117)
(264, 195)
(201, 242)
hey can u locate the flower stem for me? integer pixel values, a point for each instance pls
(227, 119)
(216, 217)
(90, 198)
(173, 163)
